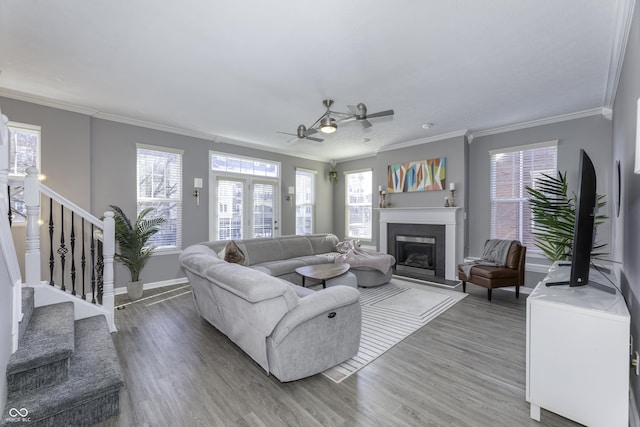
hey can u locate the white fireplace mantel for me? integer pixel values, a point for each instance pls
(451, 218)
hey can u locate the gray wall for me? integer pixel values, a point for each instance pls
(92, 162)
(626, 227)
(593, 134)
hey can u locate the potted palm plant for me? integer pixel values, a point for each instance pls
(134, 250)
(554, 216)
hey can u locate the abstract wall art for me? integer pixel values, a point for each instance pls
(423, 175)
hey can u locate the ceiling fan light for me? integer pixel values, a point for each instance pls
(328, 125)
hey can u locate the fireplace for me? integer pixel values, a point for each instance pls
(419, 249)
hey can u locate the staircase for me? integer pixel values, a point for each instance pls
(65, 371)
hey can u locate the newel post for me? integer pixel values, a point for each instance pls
(32, 250)
(109, 249)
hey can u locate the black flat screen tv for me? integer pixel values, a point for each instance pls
(584, 228)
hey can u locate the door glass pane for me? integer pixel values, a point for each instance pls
(263, 209)
(230, 209)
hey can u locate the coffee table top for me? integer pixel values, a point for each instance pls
(323, 271)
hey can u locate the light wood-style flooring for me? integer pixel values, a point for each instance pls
(465, 368)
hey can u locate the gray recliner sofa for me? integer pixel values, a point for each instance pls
(290, 331)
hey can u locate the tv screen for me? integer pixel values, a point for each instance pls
(584, 227)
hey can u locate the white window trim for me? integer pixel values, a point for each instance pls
(552, 143)
(19, 178)
(214, 175)
(313, 202)
(166, 250)
(347, 205)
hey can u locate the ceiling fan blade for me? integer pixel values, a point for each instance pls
(365, 123)
(286, 133)
(353, 109)
(311, 138)
(380, 114)
(310, 131)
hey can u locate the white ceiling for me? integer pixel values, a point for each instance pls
(241, 71)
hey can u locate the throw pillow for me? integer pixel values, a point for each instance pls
(233, 253)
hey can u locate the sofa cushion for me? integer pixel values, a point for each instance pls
(280, 267)
(296, 246)
(323, 243)
(232, 253)
(242, 282)
(258, 251)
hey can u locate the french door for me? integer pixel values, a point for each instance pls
(244, 208)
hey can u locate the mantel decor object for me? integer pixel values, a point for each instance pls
(382, 197)
(452, 189)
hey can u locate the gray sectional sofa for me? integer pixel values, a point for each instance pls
(290, 331)
(280, 256)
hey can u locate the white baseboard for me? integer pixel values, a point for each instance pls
(179, 281)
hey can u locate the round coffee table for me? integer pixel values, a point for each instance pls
(322, 272)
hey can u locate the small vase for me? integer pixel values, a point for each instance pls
(134, 290)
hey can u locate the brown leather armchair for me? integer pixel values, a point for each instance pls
(512, 274)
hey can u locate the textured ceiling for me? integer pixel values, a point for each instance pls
(241, 71)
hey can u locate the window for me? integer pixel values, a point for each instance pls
(160, 187)
(359, 204)
(305, 200)
(512, 170)
(24, 152)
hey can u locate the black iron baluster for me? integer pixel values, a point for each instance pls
(83, 262)
(72, 240)
(93, 266)
(62, 250)
(52, 259)
(9, 201)
(100, 270)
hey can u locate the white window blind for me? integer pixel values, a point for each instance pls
(230, 198)
(512, 170)
(159, 177)
(24, 152)
(359, 208)
(305, 201)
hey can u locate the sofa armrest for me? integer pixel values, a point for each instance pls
(313, 305)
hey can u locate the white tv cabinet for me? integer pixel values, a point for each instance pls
(578, 351)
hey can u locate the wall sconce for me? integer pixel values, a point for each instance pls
(197, 186)
(289, 198)
(636, 169)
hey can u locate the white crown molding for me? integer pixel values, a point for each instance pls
(364, 156)
(155, 126)
(427, 140)
(20, 96)
(47, 102)
(539, 122)
(624, 16)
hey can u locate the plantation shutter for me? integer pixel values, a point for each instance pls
(230, 201)
(159, 177)
(305, 201)
(512, 170)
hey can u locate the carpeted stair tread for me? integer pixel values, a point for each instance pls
(94, 380)
(49, 338)
(27, 309)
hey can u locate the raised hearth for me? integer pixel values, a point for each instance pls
(444, 225)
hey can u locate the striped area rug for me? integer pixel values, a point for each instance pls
(390, 313)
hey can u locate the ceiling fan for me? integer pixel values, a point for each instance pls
(327, 124)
